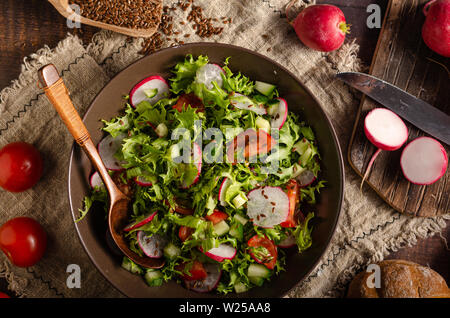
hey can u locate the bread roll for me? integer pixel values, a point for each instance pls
(400, 279)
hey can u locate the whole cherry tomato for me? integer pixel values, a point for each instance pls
(20, 166)
(23, 240)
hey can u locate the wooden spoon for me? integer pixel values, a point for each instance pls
(63, 8)
(58, 95)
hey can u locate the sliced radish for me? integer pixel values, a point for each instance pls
(386, 130)
(267, 206)
(424, 161)
(214, 273)
(151, 89)
(210, 73)
(287, 242)
(221, 253)
(144, 181)
(306, 178)
(279, 114)
(96, 181)
(147, 218)
(197, 161)
(152, 246)
(223, 190)
(243, 102)
(107, 148)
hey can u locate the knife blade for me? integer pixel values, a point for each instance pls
(416, 111)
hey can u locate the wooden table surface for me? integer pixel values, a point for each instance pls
(27, 25)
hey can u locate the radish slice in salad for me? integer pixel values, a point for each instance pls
(147, 218)
(210, 73)
(279, 114)
(107, 148)
(287, 242)
(223, 190)
(152, 246)
(243, 102)
(221, 253)
(306, 178)
(96, 181)
(197, 161)
(267, 206)
(151, 89)
(214, 273)
(424, 161)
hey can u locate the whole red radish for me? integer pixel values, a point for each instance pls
(436, 29)
(321, 27)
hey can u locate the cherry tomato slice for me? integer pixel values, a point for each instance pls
(292, 192)
(20, 166)
(23, 240)
(246, 140)
(196, 270)
(217, 216)
(263, 251)
(185, 232)
(189, 99)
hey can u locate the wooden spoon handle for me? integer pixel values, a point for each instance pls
(58, 95)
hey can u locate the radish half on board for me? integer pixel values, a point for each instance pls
(209, 73)
(386, 130)
(107, 148)
(424, 161)
(151, 89)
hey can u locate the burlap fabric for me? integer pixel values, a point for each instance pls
(368, 228)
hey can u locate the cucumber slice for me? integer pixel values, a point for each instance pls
(258, 281)
(221, 228)
(171, 251)
(240, 288)
(264, 88)
(237, 231)
(131, 266)
(154, 277)
(262, 123)
(239, 200)
(258, 270)
(162, 130)
(240, 219)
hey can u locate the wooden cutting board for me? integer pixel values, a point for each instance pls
(403, 59)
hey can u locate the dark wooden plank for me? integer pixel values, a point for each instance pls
(403, 59)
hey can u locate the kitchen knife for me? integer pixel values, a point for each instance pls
(417, 112)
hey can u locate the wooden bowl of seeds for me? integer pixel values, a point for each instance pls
(137, 18)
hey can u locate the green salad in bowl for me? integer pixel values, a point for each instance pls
(219, 173)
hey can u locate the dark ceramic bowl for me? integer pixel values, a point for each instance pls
(109, 102)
